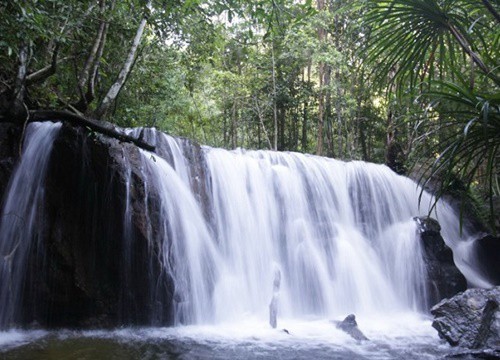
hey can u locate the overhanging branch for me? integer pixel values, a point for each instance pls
(52, 115)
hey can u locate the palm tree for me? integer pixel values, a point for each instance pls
(444, 53)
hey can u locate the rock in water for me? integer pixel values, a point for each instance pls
(444, 279)
(470, 319)
(487, 251)
(350, 326)
(273, 311)
(273, 306)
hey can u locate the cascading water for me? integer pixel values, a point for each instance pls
(340, 235)
(21, 224)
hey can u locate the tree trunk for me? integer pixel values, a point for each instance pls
(304, 116)
(275, 108)
(328, 111)
(362, 139)
(338, 102)
(281, 118)
(85, 73)
(339, 117)
(260, 115)
(234, 127)
(113, 92)
(90, 95)
(321, 98)
(225, 140)
(17, 110)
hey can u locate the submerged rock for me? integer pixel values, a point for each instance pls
(470, 319)
(444, 278)
(350, 326)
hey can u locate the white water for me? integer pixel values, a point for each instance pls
(341, 234)
(22, 215)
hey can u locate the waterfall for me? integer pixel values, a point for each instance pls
(340, 234)
(21, 223)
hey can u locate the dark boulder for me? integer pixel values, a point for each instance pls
(350, 326)
(100, 266)
(470, 319)
(444, 278)
(487, 251)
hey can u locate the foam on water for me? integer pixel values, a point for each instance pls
(402, 336)
(15, 338)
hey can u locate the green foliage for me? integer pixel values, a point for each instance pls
(443, 56)
(231, 73)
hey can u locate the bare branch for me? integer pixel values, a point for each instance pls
(49, 70)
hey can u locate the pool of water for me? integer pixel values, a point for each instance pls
(402, 336)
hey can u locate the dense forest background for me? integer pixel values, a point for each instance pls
(411, 83)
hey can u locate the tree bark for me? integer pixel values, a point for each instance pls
(85, 73)
(338, 102)
(16, 110)
(94, 125)
(234, 126)
(305, 115)
(113, 92)
(327, 115)
(362, 139)
(260, 115)
(88, 76)
(321, 97)
(20, 83)
(275, 107)
(90, 95)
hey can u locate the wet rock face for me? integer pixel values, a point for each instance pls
(10, 135)
(470, 319)
(487, 251)
(100, 267)
(444, 278)
(99, 263)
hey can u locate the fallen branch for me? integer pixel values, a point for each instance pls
(53, 115)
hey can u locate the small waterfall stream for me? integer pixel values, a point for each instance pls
(341, 235)
(22, 224)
